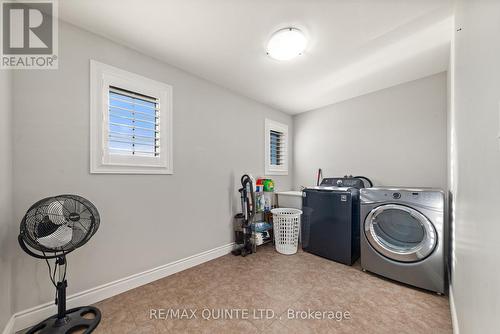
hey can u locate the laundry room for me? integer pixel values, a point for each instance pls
(285, 166)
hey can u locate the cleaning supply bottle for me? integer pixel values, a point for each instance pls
(259, 198)
(268, 185)
(268, 194)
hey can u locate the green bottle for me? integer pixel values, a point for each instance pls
(268, 185)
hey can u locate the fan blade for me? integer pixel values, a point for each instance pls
(46, 227)
(55, 212)
(59, 238)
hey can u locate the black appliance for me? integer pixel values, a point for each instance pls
(51, 229)
(330, 220)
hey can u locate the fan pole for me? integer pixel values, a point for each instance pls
(62, 284)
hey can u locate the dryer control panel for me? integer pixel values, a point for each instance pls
(349, 182)
(425, 197)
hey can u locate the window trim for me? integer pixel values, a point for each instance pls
(271, 125)
(103, 76)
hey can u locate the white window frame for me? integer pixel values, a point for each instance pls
(271, 125)
(103, 76)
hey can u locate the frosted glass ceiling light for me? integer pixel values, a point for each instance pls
(286, 44)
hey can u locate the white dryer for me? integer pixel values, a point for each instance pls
(402, 235)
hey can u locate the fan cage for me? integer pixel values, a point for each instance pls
(59, 224)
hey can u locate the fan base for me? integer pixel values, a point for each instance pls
(74, 322)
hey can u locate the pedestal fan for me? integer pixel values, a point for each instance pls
(52, 228)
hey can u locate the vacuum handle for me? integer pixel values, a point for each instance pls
(248, 200)
(320, 176)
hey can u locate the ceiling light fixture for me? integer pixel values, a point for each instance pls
(286, 44)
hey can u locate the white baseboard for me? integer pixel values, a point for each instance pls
(453, 310)
(9, 327)
(32, 316)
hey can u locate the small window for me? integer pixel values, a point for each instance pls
(134, 124)
(276, 149)
(131, 123)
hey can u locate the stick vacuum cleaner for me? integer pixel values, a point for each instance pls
(243, 221)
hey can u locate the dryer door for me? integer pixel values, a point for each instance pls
(400, 233)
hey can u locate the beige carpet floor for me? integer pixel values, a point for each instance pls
(348, 300)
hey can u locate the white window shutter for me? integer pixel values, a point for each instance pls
(276, 149)
(130, 123)
(134, 124)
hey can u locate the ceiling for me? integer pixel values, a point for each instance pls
(355, 46)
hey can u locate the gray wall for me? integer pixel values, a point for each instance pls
(147, 220)
(396, 136)
(7, 236)
(475, 166)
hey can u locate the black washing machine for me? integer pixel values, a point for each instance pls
(330, 220)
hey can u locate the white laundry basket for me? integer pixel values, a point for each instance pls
(286, 223)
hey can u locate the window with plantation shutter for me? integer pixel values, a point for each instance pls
(276, 149)
(134, 124)
(131, 123)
